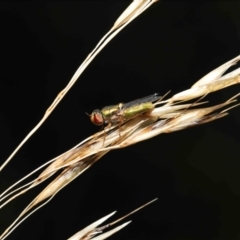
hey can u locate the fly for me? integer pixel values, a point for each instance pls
(122, 112)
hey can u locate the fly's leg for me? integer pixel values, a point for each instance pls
(104, 137)
(120, 124)
(120, 107)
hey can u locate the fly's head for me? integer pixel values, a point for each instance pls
(97, 117)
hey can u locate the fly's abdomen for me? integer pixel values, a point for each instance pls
(136, 110)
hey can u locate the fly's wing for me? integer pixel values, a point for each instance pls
(136, 110)
(151, 98)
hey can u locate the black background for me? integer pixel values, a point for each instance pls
(194, 173)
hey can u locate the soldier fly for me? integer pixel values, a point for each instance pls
(122, 112)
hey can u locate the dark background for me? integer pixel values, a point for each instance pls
(194, 173)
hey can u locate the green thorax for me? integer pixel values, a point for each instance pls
(109, 111)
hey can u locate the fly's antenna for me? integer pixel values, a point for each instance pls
(88, 114)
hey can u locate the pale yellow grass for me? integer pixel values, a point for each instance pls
(169, 114)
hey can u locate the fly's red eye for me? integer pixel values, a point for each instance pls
(96, 118)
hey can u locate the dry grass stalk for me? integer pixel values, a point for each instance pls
(92, 230)
(134, 10)
(170, 116)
